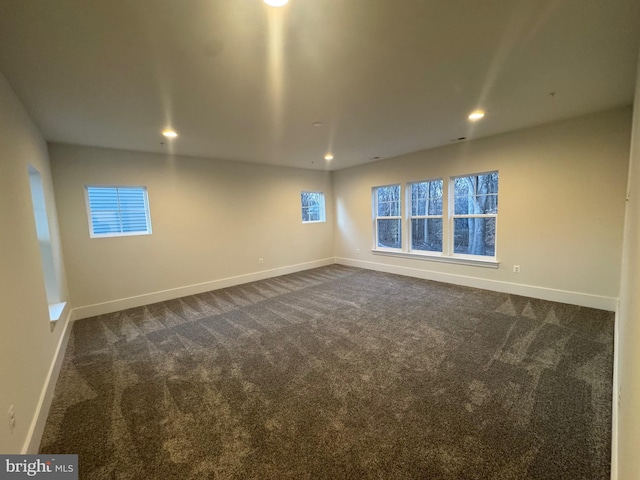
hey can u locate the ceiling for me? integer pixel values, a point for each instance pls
(239, 80)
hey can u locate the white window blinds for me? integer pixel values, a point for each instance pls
(117, 211)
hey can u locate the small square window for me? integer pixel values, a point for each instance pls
(312, 207)
(118, 211)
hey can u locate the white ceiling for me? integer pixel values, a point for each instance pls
(242, 81)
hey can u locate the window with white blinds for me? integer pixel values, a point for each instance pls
(117, 211)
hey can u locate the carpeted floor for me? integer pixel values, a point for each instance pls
(338, 373)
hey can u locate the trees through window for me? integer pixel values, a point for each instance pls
(426, 216)
(387, 217)
(313, 208)
(475, 210)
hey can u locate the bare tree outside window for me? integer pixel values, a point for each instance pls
(388, 216)
(313, 209)
(475, 200)
(426, 216)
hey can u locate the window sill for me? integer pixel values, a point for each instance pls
(460, 260)
(119, 234)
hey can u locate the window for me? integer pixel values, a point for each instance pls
(387, 219)
(118, 211)
(425, 220)
(312, 207)
(52, 281)
(475, 211)
(452, 221)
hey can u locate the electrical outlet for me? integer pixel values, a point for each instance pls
(12, 418)
(357, 251)
(261, 260)
(516, 269)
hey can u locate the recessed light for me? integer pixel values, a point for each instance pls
(276, 3)
(317, 124)
(169, 133)
(477, 115)
(328, 156)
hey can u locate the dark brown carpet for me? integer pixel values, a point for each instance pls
(339, 373)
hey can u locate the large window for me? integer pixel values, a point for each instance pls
(452, 221)
(475, 210)
(425, 219)
(52, 281)
(118, 211)
(312, 207)
(387, 216)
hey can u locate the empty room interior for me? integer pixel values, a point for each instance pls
(321, 239)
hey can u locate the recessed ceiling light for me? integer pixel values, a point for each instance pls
(276, 3)
(477, 115)
(169, 133)
(317, 124)
(328, 156)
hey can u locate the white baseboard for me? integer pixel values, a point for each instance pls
(39, 420)
(614, 401)
(562, 296)
(146, 299)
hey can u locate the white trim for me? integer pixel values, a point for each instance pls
(543, 293)
(39, 420)
(148, 298)
(127, 234)
(614, 401)
(490, 262)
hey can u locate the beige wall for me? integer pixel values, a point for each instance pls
(211, 220)
(561, 208)
(27, 342)
(628, 354)
(562, 191)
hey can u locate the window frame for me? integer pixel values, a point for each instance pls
(147, 212)
(376, 217)
(323, 207)
(410, 217)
